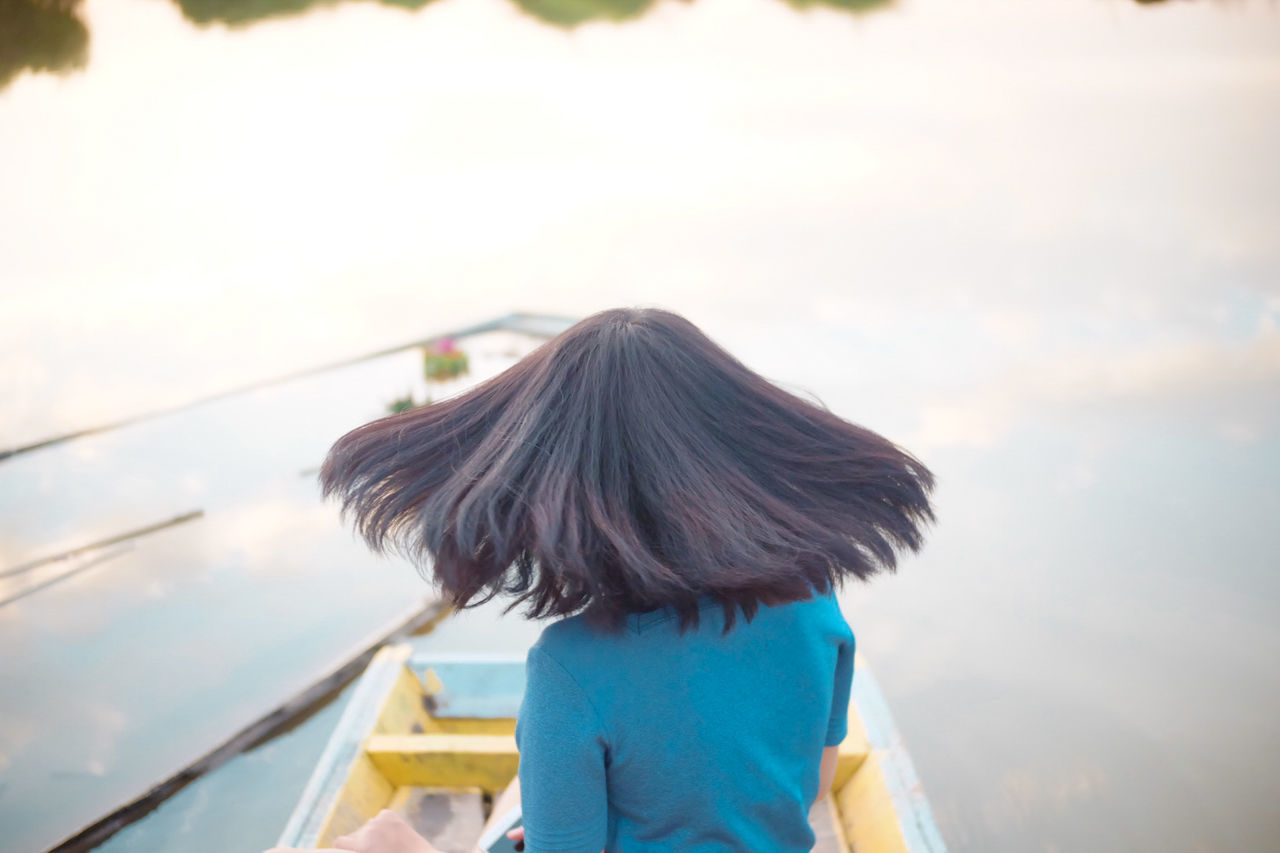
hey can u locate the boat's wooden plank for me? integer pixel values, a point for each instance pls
(452, 819)
(445, 760)
(853, 750)
(867, 811)
(365, 793)
(886, 783)
(340, 754)
(473, 686)
(415, 708)
(471, 726)
(405, 709)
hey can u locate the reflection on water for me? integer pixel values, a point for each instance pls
(193, 629)
(41, 35)
(266, 782)
(568, 13)
(1033, 242)
(49, 35)
(242, 12)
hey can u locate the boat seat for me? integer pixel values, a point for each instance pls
(452, 819)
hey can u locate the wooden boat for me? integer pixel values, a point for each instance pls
(433, 738)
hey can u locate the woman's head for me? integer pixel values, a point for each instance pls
(630, 463)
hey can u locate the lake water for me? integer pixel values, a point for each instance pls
(1038, 244)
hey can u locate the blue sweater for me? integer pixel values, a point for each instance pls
(649, 740)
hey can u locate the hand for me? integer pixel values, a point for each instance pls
(386, 833)
(517, 835)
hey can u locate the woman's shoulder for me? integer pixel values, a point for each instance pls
(822, 612)
(594, 659)
(571, 641)
(575, 640)
(562, 634)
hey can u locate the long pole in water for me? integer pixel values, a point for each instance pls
(23, 568)
(67, 575)
(284, 717)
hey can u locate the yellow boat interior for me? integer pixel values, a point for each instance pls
(435, 742)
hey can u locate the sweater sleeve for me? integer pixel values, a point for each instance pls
(562, 747)
(838, 725)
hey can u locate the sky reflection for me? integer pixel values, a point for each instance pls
(130, 671)
(1034, 243)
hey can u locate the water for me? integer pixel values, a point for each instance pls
(176, 640)
(1033, 243)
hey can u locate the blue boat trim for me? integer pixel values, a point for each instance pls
(489, 688)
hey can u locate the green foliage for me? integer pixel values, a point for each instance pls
(570, 13)
(852, 6)
(244, 12)
(443, 364)
(404, 404)
(40, 35)
(46, 35)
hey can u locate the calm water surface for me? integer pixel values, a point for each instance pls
(1035, 243)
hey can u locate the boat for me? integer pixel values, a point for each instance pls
(432, 738)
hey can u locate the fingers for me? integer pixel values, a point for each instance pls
(516, 834)
(354, 840)
(387, 832)
(367, 837)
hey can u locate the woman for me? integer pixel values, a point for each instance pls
(687, 522)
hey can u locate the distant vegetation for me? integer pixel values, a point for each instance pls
(854, 6)
(41, 35)
(443, 361)
(405, 403)
(558, 13)
(240, 12)
(570, 13)
(49, 35)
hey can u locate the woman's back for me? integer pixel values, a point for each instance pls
(650, 739)
(630, 466)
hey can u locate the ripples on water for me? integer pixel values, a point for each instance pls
(1032, 242)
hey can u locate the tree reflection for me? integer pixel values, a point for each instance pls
(241, 12)
(570, 13)
(854, 6)
(48, 35)
(558, 13)
(40, 35)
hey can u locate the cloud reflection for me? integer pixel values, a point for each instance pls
(1228, 389)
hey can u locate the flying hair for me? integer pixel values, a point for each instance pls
(628, 464)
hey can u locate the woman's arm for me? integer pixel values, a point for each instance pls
(563, 754)
(827, 772)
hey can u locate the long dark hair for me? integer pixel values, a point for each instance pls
(630, 463)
